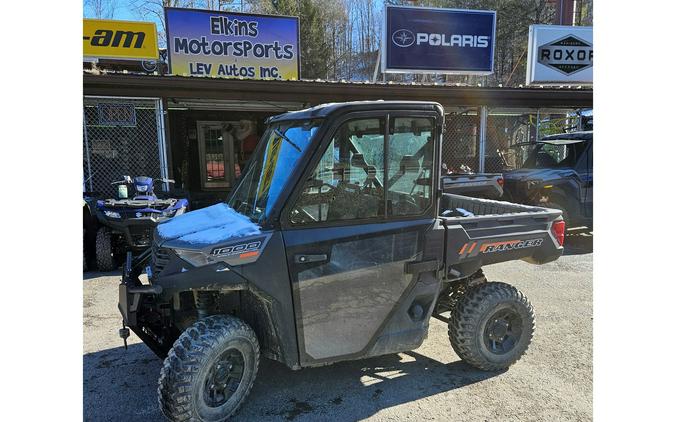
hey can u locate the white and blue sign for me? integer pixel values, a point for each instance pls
(431, 40)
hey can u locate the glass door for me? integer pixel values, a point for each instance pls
(216, 154)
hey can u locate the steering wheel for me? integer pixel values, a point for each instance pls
(328, 185)
(408, 205)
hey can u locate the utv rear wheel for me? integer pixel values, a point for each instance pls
(491, 326)
(209, 371)
(104, 251)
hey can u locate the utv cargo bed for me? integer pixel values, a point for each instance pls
(492, 231)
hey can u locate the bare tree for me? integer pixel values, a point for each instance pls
(100, 9)
(154, 10)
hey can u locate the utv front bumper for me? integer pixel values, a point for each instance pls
(132, 295)
(130, 300)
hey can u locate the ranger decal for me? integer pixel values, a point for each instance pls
(471, 249)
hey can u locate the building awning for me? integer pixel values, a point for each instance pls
(175, 103)
(176, 89)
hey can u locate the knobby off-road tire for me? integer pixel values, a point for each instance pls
(104, 253)
(196, 363)
(491, 326)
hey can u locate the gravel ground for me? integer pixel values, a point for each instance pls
(552, 382)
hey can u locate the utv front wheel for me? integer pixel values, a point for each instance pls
(104, 251)
(209, 371)
(491, 326)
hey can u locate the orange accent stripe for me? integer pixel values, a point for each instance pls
(472, 246)
(461, 251)
(247, 255)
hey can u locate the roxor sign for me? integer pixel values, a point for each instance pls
(560, 55)
(429, 40)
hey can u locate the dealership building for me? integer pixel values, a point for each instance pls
(200, 129)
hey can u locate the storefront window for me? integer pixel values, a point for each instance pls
(216, 146)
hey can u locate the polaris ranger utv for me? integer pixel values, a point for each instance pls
(336, 244)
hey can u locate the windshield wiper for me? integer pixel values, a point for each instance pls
(284, 137)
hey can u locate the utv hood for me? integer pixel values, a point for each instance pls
(541, 175)
(207, 226)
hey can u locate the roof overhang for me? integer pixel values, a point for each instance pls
(317, 92)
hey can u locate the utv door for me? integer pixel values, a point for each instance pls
(362, 214)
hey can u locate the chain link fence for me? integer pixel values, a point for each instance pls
(460, 140)
(122, 136)
(508, 128)
(505, 130)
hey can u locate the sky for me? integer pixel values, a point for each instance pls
(124, 10)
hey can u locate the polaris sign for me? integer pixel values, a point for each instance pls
(560, 55)
(430, 40)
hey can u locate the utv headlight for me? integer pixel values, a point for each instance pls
(142, 188)
(195, 258)
(112, 214)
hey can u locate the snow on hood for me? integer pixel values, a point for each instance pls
(207, 226)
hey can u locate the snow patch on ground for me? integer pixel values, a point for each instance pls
(208, 225)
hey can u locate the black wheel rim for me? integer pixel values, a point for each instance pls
(223, 378)
(503, 331)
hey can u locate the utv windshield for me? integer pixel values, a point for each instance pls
(557, 154)
(282, 145)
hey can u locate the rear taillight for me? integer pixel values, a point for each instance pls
(500, 181)
(559, 231)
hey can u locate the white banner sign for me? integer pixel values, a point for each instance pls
(560, 55)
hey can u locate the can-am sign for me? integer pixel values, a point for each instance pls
(560, 55)
(103, 38)
(430, 40)
(235, 45)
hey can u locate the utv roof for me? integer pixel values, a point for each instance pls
(324, 110)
